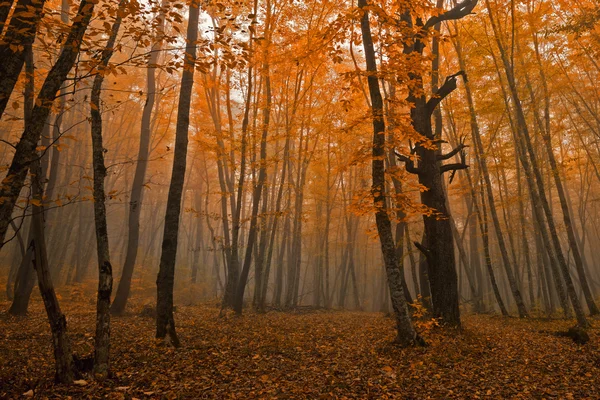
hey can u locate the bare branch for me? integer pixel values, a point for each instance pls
(453, 167)
(422, 249)
(459, 11)
(454, 152)
(8, 143)
(448, 87)
(409, 163)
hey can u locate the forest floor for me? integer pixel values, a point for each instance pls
(302, 355)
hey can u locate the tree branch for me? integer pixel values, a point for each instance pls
(453, 167)
(409, 163)
(423, 249)
(454, 152)
(447, 88)
(459, 11)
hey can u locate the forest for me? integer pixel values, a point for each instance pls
(299, 199)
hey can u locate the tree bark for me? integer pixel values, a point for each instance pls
(63, 356)
(105, 278)
(20, 35)
(137, 188)
(165, 323)
(406, 334)
(25, 150)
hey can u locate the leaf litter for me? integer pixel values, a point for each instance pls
(314, 355)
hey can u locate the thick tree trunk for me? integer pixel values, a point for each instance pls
(165, 323)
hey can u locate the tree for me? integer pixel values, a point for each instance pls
(406, 334)
(105, 278)
(165, 323)
(533, 173)
(137, 187)
(262, 177)
(438, 245)
(25, 149)
(482, 164)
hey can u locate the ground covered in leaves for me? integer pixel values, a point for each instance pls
(302, 355)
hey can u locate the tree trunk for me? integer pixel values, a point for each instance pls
(20, 35)
(483, 224)
(533, 173)
(25, 279)
(105, 278)
(26, 147)
(262, 178)
(482, 163)
(58, 323)
(406, 334)
(554, 169)
(5, 8)
(137, 188)
(165, 323)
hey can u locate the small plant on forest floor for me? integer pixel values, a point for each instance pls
(421, 316)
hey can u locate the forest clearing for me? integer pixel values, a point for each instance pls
(314, 354)
(299, 199)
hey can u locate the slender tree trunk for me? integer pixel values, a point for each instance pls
(5, 8)
(105, 278)
(258, 189)
(63, 356)
(18, 254)
(554, 169)
(137, 188)
(273, 229)
(482, 163)
(406, 334)
(534, 174)
(483, 224)
(165, 323)
(279, 272)
(25, 279)
(413, 263)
